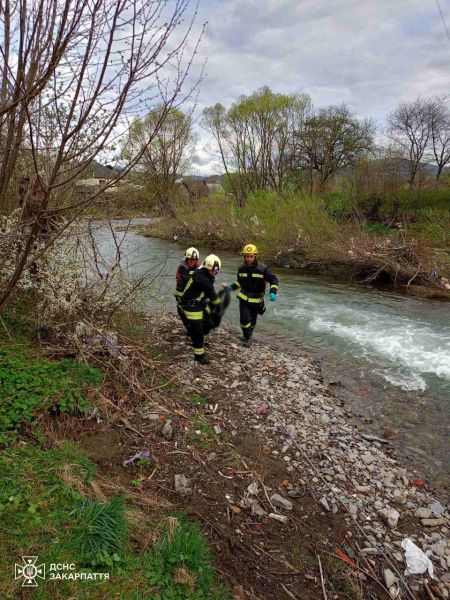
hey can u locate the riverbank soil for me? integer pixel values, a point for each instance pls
(296, 500)
(294, 497)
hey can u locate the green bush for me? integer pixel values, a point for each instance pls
(29, 384)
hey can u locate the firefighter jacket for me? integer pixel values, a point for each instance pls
(252, 280)
(184, 273)
(199, 289)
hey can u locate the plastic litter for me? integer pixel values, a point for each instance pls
(142, 454)
(416, 561)
(262, 409)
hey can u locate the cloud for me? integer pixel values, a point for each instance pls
(370, 55)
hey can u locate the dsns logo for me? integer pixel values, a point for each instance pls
(30, 571)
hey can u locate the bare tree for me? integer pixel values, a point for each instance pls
(168, 157)
(74, 71)
(409, 126)
(439, 115)
(332, 139)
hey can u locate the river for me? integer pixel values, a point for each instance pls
(387, 354)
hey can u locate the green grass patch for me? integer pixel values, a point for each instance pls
(206, 434)
(198, 400)
(378, 228)
(180, 565)
(29, 384)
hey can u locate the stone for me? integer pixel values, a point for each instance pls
(368, 458)
(281, 502)
(439, 548)
(389, 578)
(370, 551)
(362, 488)
(253, 488)
(423, 513)
(436, 508)
(182, 485)
(433, 522)
(390, 516)
(297, 493)
(167, 430)
(257, 509)
(323, 501)
(281, 518)
(399, 498)
(328, 471)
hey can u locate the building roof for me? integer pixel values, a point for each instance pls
(97, 171)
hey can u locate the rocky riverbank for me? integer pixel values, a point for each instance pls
(277, 401)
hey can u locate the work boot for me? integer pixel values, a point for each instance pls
(201, 358)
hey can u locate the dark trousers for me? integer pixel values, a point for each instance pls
(183, 318)
(199, 325)
(248, 315)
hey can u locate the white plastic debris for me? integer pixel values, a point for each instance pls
(416, 560)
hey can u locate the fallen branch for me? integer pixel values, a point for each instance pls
(321, 578)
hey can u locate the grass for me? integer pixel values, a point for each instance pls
(181, 562)
(201, 440)
(48, 509)
(326, 234)
(276, 223)
(52, 507)
(198, 400)
(29, 385)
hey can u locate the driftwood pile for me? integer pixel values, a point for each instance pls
(400, 261)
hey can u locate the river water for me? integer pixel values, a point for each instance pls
(388, 355)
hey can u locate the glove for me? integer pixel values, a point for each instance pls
(230, 288)
(273, 297)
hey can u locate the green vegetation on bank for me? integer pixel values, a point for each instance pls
(335, 233)
(30, 385)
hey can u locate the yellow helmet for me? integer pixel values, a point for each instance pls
(250, 249)
(212, 263)
(192, 253)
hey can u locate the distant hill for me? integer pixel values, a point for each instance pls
(208, 178)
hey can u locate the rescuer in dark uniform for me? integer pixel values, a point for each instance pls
(252, 278)
(200, 289)
(184, 272)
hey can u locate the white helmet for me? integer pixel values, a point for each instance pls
(192, 253)
(212, 263)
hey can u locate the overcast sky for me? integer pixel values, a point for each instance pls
(370, 54)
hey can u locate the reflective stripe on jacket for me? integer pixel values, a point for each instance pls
(184, 273)
(252, 280)
(199, 288)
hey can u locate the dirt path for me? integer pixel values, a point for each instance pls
(260, 423)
